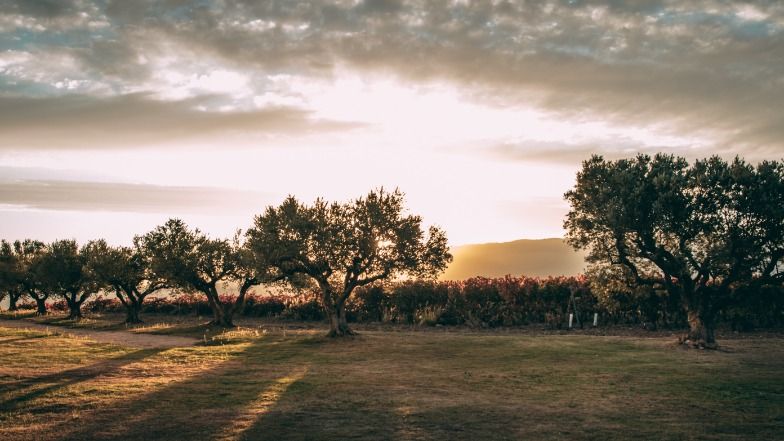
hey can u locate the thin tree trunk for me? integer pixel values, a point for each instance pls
(212, 300)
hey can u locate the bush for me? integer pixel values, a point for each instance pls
(755, 305)
(310, 310)
(264, 306)
(485, 302)
(102, 304)
(479, 302)
(368, 304)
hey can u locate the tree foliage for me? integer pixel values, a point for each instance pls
(29, 254)
(344, 246)
(695, 231)
(127, 272)
(63, 271)
(191, 261)
(11, 274)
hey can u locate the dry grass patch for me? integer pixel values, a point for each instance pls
(254, 383)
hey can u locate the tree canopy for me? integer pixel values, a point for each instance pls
(191, 261)
(695, 230)
(344, 246)
(11, 275)
(63, 272)
(127, 272)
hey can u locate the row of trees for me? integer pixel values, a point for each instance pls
(335, 247)
(699, 234)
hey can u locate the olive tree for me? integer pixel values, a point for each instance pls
(10, 275)
(127, 272)
(63, 271)
(344, 246)
(189, 260)
(29, 254)
(695, 231)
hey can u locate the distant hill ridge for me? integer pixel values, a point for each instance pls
(529, 257)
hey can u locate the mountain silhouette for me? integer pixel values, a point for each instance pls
(528, 257)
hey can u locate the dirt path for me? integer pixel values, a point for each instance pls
(114, 337)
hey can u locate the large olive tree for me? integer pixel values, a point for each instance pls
(126, 271)
(694, 230)
(344, 246)
(189, 260)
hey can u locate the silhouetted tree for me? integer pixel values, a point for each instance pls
(29, 253)
(10, 275)
(63, 271)
(344, 246)
(191, 261)
(695, 231)
(127, 272)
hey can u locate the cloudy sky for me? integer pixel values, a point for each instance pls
(116, 115)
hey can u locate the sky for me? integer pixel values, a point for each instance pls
(117, 115)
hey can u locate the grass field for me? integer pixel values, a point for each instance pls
(391, 385)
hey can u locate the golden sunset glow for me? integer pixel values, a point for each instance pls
(481, 112)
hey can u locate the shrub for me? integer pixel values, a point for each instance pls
(484, 302)
(310, 310)
(264, 306)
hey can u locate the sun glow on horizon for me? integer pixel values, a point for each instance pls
(481, 112)
(421, 139)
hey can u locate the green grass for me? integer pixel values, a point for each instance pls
(391, 385)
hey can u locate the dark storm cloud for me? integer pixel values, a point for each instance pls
(85, 122)
(38, 8)
(138, 198)
(702, 68)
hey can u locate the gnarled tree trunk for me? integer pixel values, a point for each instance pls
(338, 325)
(132, 311)
(222, 314)
(12, 299)
(132, 305)
(701, 330)
(74, 302)
(701, 317)
(74, 310)
(225, 316)
(40, 304)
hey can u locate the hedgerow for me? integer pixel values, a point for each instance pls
(481, 302)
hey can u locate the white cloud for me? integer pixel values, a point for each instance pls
(750, 12)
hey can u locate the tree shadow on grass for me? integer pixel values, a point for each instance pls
(17, 315)
(27, 387)
(18, 339)
(214, 404)
(197, 330)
